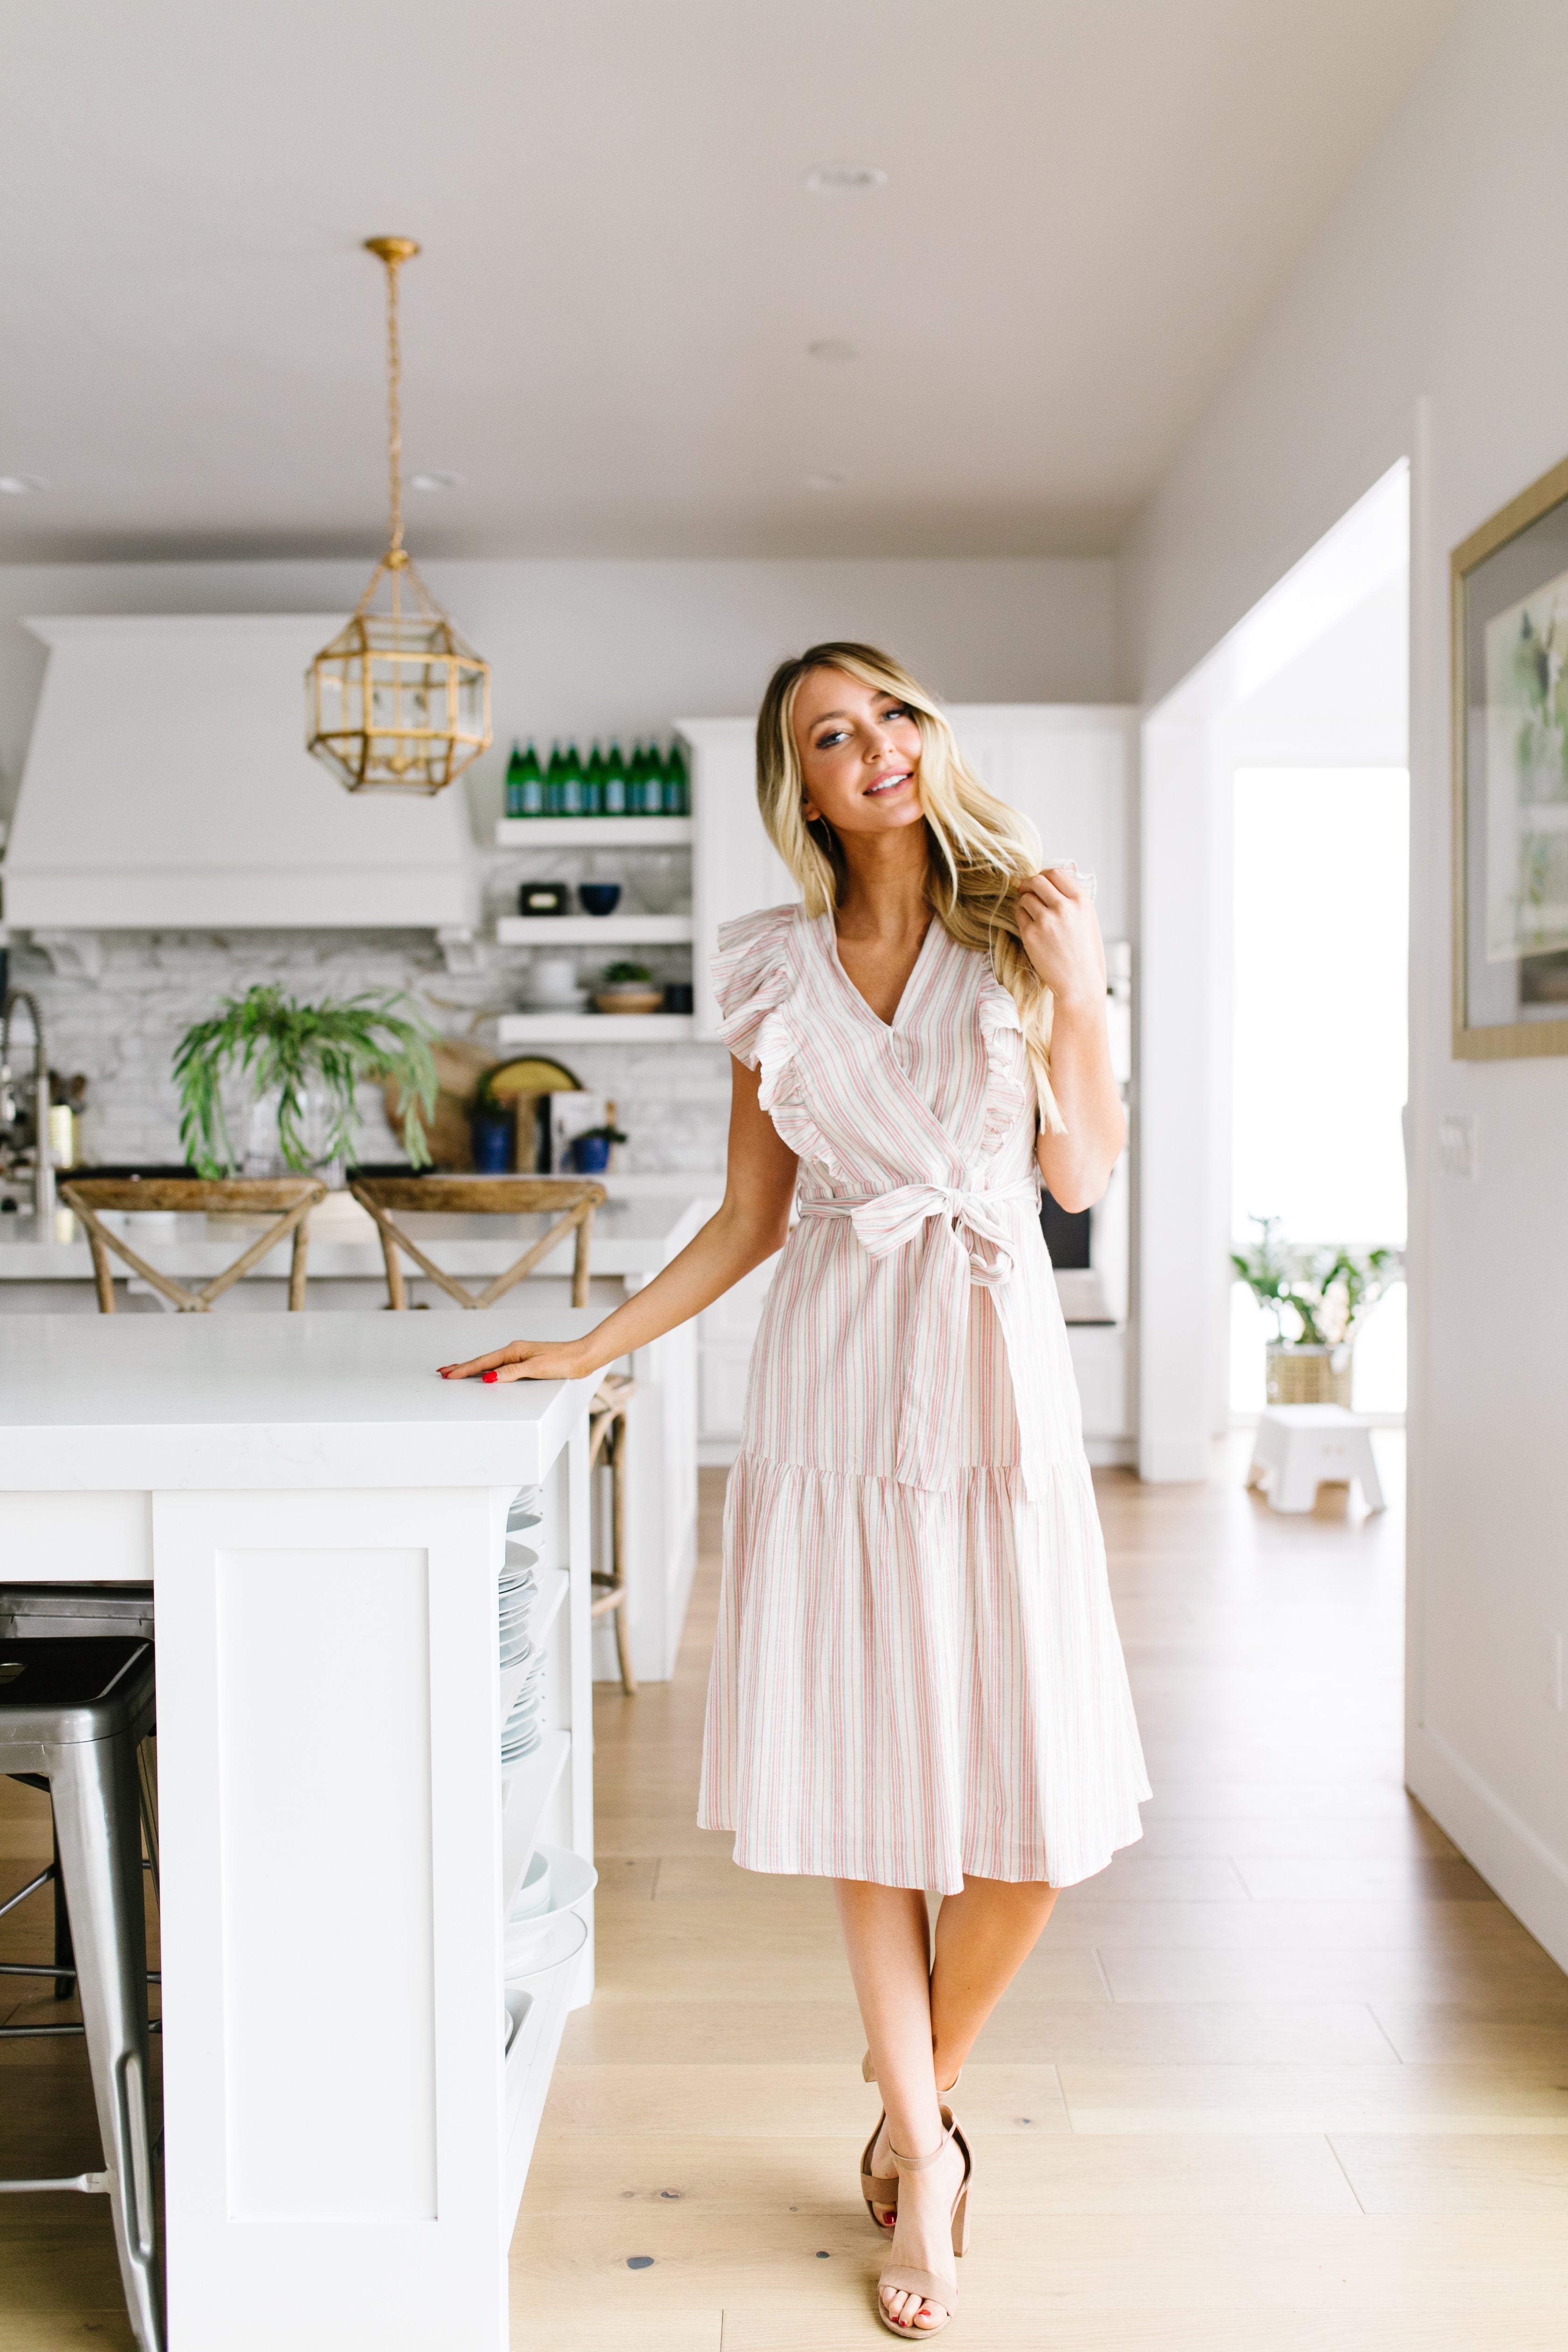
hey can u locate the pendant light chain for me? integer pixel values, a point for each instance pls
(394, 405)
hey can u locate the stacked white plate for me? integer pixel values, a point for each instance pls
(515, 1598)
(516, 1593)
(527, 1509)
(524, 1728)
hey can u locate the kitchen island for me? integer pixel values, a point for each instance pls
(633, 1239)
(347, 2128)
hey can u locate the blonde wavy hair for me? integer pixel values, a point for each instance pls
(982, 851)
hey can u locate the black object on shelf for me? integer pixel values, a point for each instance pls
(543, 898)
(599, 897)
(678, 996)
(1067, 1232)
(130, 1171)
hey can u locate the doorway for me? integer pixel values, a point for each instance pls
(1273, 1024)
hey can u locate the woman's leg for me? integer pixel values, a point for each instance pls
(983, 1939)
(886, 1935)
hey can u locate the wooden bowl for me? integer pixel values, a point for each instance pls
(629, 999)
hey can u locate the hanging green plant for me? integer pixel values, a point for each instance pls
(284, 1047)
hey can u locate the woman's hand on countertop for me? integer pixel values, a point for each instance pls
(524, 1360)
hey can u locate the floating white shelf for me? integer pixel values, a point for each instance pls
(592, 832)
(593, 1028)
(591, 930)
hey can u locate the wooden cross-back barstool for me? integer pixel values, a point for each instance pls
(387, 1197)
(607, 1446)
(514, 1196)
(285, 1199)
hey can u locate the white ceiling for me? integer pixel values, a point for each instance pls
(1089, 203)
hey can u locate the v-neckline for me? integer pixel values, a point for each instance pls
(907, 995)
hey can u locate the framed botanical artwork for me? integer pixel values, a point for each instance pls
(1510, 779)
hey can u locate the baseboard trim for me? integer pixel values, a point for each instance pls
(1519, 1866)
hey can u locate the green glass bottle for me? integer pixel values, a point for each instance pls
(651, 792)
(552, 781)
(530, 785)
(514, 783)
(616, 772)
(593, 782)
(677, 781)
(572, 782)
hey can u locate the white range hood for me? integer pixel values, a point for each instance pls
(167, 787)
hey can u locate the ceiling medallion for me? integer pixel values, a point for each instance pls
(397, 702)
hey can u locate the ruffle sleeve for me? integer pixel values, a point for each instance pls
(755, 981)
(1012, 1085)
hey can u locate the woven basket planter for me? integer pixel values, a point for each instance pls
(1308, 1375)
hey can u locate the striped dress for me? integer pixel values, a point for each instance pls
(917, 1672)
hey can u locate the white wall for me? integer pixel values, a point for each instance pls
(586, 648)
(1417, 325)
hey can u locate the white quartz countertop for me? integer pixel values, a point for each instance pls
(637, 1236)
(90, 1403)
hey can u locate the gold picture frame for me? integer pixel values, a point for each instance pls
(1509, 614)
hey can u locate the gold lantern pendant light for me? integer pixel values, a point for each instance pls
(397, 702)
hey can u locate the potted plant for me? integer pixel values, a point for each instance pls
(589, 1152)
(301, 1066)
(628, 988)
(1319, 1300)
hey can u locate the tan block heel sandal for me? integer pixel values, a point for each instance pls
(903, 2277)
(882, 2188)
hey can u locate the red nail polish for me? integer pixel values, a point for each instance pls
(489, 1376)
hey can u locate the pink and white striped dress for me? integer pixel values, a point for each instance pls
(917, 1672)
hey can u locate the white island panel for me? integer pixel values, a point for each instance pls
(345, 2133)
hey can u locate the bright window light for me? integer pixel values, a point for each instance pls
(1321, 930)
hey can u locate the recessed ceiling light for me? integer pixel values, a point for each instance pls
(832, 348)
(844, 179)
(435, 481)
(21, 486)
(831, 480)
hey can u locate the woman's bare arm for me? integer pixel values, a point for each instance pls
(1061, 932)
(749, 1225)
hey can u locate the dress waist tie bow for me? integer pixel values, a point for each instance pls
(972, 1245)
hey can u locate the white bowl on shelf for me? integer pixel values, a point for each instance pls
(561, 1937)
(531, 1941)
(532, 1897)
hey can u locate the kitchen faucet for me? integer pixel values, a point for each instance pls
(43, 1166)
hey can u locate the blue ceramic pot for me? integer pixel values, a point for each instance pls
(492, 1134)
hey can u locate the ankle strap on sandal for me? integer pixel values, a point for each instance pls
(918, 2163)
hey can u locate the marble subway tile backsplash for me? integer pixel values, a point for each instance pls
(121, 1025)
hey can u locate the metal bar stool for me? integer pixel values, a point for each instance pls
(32, 1612)
(72, 1713)
(606, 1446)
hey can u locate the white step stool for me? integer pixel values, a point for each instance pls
(1301, 1447)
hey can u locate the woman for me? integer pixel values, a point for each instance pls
(917, 1684)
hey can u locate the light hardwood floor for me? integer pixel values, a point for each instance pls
(1286, 2078)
